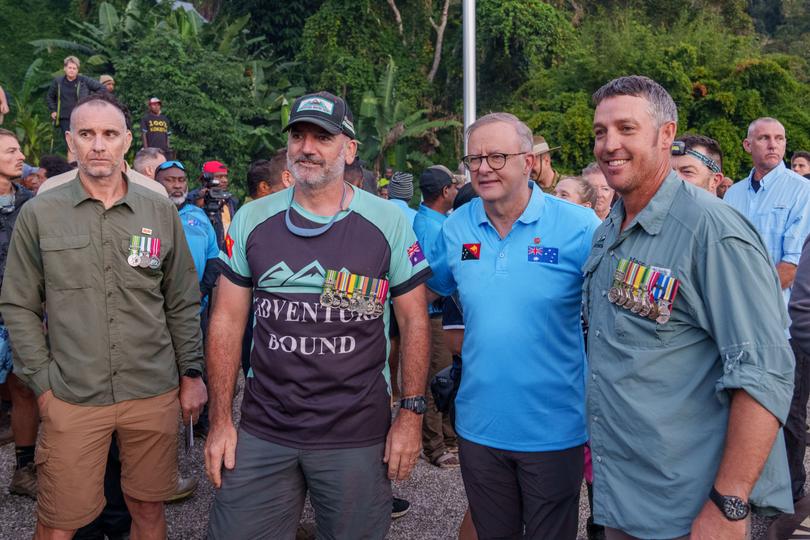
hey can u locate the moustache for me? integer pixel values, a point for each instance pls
(310, 160)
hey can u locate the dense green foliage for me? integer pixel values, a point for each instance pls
(227, 84)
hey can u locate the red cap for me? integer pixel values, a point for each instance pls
(213, 167)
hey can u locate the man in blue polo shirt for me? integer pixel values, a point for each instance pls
(438, 186)
(515, 256)
(200, 234)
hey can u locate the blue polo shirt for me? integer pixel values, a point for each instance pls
(200, 236)
(428, 228)
(409, 212)
(523, 387)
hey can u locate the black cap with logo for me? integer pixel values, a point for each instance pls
(323, 109)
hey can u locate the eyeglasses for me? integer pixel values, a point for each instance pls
(169, 164)
(496, 161)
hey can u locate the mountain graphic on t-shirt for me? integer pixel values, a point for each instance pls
(281, 275)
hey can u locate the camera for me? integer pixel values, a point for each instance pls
(215, 197)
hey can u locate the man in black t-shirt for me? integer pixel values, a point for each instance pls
(155, 128)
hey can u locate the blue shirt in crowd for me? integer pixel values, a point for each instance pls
(200, 235)
(409, 212)
(428, 228)
(779, 212)
(523, 387)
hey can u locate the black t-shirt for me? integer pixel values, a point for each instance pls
(156, 129)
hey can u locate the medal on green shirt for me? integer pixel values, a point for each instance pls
(154, 254)
(613, 293)
(133, 260)
(144, 251)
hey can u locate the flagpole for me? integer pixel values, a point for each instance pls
(468, 24)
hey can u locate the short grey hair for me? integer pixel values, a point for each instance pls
(145, 157)
(586, 191)
(662, 108)
(591, 168)
(523, 132)
(764, 119)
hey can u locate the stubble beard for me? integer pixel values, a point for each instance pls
(314, 181)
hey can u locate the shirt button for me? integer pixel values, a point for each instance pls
(112, 320)
(604, 293)
(109, 294)
(113, 346)
(502, 255)
(595, 418)
(108, 268)
(593, 376)
(598, 333)
(599, 459)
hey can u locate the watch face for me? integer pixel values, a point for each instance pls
(735, 508)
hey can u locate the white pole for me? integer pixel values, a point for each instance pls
(468, 24)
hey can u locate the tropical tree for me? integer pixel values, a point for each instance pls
(35, 135)
(386, 121)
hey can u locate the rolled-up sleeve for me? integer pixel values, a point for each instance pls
(748, 322)
(21, 304)
(181, 295)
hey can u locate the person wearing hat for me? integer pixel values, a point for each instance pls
(542, 171)
(318, 264)
(214, 198)
(108, 82)
(156, 128)
(400, 193)
(438, 186)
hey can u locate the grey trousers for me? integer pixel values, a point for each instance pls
(263, 496)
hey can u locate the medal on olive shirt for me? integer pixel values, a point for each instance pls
(154, 254)
(133, 259)
(144, 252)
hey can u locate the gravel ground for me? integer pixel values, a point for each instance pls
(437, 504)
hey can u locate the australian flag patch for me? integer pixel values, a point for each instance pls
(546, 255)
(415, 254)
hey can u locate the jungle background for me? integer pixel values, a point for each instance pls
(227, 71)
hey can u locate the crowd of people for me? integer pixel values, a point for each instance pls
(614, 350)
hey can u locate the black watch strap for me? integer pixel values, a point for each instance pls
(734, 508)
(192, 373)
(416, 404)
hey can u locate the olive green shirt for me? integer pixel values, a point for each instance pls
(115, 332)
(659, 392)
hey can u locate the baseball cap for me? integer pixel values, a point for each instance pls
(154, 100)
(28, 170)
(323, 109)
(436, 177)
(105, 78)
(541, 146)
(214, 167)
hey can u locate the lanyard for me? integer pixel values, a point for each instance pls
(317, 231)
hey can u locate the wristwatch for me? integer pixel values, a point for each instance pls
(417, 404)
(192, 373)
(734, 508)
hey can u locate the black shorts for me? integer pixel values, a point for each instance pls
(508, 491)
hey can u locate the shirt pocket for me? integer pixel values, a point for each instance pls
(774, 221)
(136, 277)
(639, 332)
(65, 260)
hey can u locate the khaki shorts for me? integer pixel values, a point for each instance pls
(72, 456)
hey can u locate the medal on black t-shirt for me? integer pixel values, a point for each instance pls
(380, 297)
(329, 288)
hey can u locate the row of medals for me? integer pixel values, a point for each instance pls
(638, 300)
(365, 304)
(147, 258)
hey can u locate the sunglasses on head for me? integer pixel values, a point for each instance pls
(169, 164)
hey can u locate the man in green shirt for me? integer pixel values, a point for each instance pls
(689, 378)
(108, 261)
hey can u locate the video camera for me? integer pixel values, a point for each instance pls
(215, 197)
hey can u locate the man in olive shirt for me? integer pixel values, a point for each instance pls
(108, 261)
(689, 378)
